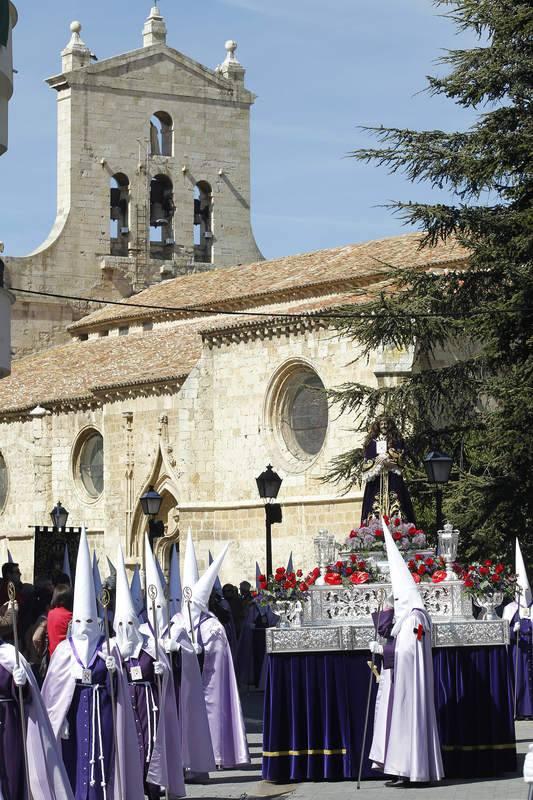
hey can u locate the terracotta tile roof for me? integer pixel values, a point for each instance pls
(79, 369)
(286, 278)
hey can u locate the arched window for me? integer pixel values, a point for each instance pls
(162, 210)
(203, 222)
(119, 194)
(161, 130)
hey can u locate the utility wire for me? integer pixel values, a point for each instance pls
(273, 314)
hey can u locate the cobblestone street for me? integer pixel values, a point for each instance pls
(247, 784)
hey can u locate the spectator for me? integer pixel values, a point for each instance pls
(60, 615)
(36, 637)
(24, 597)
(230, 593)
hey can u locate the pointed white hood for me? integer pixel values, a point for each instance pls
(97, 581)
(201, 591)
(524, 597)
(405, 591)
(126, 622)
(190, 564)
(153, 578)
(217, 586)
(174, 580)
(85, 627)
(136, 591)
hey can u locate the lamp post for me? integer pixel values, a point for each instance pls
(59, 516)
(438, 467)
(150, 504)
(268, 485)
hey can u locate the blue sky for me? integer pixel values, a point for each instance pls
(319, 69)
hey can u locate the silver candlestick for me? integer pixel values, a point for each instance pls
(325, 553)
(448, 542)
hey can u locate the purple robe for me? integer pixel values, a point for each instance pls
(224, 712)
(198, 754)
(406, 739)
(520, 652)
(66, 700)
(12, 777)
(251, 648)
(166, 764)
(145, 704)
(48, 778)
(397, 486)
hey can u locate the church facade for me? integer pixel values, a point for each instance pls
(217, 363)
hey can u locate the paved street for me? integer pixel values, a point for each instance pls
(247, 784)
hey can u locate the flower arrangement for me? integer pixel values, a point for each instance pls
(427, 570)
(370, 536)
(285, 585)
(353, 572)
(485, 578)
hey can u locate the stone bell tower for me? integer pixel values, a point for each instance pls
(153, 179)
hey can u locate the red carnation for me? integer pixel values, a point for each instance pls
(353, 558)
(411, 564)
(468, 582)
(411, 531)
(419, 557)
(339, 564)
(416, 577)
(488, 562)
(261, 578)
(286, 585)
(386, 518)
(299, 573)
(483, 570)
(362, 565)
(333, 578)
(495, 578)
(353, 534)
(397, 521)
(349, 570)
(360, 577)
(379, 533)
(278, 577)
(499, 568)
(396, 536)
(316, 572)
(280, 570)
(263, 584)
(422, 569)
(303, 586)
(429, 562)
(438, 576)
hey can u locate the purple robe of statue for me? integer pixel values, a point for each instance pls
(398, 494)
(197, 750)
(406, 739)
(81, 720)
(520, 652)
(48, 778)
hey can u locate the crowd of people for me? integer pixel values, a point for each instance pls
(119, 699)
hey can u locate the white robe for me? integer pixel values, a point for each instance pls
(406, 739)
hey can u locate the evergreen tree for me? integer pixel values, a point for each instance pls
(480, 406)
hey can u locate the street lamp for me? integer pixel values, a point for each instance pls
(150, 504)
(59, 515)
(438, 467)
(268, 485)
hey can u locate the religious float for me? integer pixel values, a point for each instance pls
(318, 658)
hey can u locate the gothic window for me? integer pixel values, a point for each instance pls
(161, 130)
(89, 463)
(119, 194)
(3, 482)
(162, 210)
(203, 222)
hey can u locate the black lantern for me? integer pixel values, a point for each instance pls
(59, 516)
(151, 502)
(438, 467)
(268, 484)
